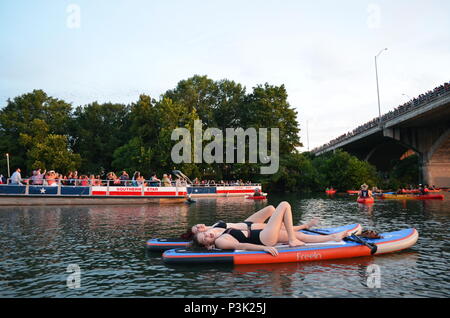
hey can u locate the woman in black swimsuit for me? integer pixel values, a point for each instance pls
(262, 239)
(253, 222)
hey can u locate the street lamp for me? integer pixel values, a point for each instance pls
(307, 134)
(7, 163)
(378, 88)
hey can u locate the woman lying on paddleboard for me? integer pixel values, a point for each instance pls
(254, 222)
(262, 239)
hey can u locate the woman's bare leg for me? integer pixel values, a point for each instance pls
(283, 237)
(262, 215)
(310, 224)
(270, 235)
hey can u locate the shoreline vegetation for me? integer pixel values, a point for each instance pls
(42, 132)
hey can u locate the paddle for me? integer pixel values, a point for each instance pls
(352, 238)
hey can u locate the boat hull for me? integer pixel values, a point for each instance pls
(11, 200)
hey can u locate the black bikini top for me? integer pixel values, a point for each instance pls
(224, 225)
(253, 237)
(220, 224)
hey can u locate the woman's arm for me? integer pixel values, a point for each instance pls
(254, 247)
(233, 244)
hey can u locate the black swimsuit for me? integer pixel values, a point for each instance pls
(223, 225)
(238, 235)
(220, 224)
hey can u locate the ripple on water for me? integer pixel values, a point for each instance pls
(108, 244)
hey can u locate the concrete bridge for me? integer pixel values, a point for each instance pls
(421, 125)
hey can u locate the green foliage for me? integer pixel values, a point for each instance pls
(51, 153)
(296, 173)
(31, 116)
(405, 172)
(344, 172)
(96, 131)
(41, 131)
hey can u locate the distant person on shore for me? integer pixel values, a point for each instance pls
(51, 178)
(423, 189)
(39, 177)
(124, 178)
(166, 181)
(16, 178)
(154, 181)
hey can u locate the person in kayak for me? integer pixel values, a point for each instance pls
(263, 239)
(365, 192)
(423, 190)
(254, 222)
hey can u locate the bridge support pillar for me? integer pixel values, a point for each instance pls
(436, 162)
(433, 147)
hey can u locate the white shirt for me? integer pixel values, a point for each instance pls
(16, 178)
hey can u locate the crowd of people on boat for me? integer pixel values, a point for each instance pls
(53, 178)
(414, 103)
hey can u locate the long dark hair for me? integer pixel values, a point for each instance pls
(188, 235)
(195, 245)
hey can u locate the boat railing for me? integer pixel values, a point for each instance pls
(118, 183)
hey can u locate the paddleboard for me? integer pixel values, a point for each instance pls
(163, 244)
(390, 242)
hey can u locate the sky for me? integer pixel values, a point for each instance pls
(322, 51)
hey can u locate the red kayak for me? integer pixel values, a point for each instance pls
(365, 200)
(330, 191)
(256, 197)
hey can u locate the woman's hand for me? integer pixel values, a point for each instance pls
(272, 250)
(314, 222)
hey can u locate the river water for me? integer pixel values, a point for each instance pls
(107, 245)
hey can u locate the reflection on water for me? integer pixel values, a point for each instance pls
(108, 244)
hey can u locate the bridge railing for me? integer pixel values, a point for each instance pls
(415, 103)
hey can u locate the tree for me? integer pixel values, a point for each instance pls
(51, 152)
(97, 131)
(267, 107)
(25, 115)
(344, 171)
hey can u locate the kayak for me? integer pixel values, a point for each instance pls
(163, 244)
(390, 242)
(416, 191)
(330, 191)
(352, 191)
(365, 200)
(256, 197)
(260, 197)
(413, 197)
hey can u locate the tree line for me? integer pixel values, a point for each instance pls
(40, 131)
